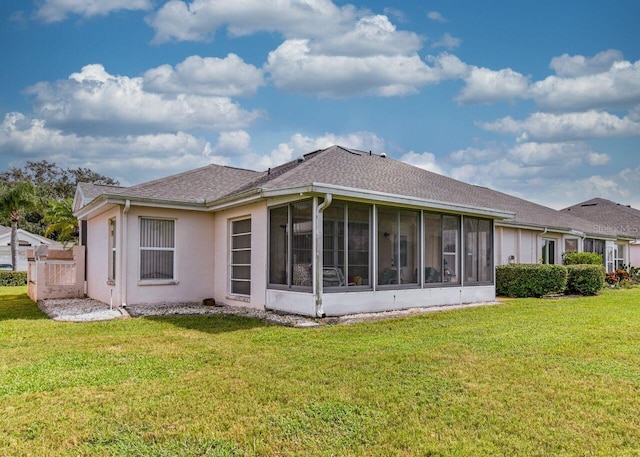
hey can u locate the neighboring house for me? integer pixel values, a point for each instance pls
(26, 240)
(539, 234)
(337, 231)
(609, 218)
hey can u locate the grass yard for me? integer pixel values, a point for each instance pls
(526, 378)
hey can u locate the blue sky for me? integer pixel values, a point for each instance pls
(537, 99)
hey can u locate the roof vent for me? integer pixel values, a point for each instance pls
(300, 159)
(383, 155)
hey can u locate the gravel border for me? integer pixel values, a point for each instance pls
(79, 310)
(86, 309)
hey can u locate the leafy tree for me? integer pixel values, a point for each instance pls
(15, 200)
(62, 223)
(53, 184)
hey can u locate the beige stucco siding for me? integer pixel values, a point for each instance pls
(98, 257)
(194, 257)
(634, 254)
(522, 244)
(222, 224)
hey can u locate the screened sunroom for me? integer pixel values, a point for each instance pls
(332, 256)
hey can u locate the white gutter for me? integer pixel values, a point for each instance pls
(328, 198)
(123, 254)
(385, 197)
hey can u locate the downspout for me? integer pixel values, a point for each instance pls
(328, 198)
(123, 254)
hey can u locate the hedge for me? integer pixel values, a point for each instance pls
(13, 278)
(530, 280)
(585, 279)
(582, 258)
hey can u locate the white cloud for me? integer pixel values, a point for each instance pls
(476, 155)
(485, 86)
(94, 101)
(436, 16)
(58, 10)
(617, 87)
(235, 143)
(211, 76)
(426, 161)
(371, 35)
(133, 158)
(570, 154)
(548, 127)
(300, 144)
(295, 68)
(567, 66)
(198, 20)
(447, 41)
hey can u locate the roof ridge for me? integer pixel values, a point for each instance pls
(146, 184)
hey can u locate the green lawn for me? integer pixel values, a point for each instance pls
(525, 378)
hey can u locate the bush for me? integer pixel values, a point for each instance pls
(581, 258)
(585, 279)
(13, 278)
(530, 280)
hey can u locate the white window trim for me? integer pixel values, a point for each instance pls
(163, 281)
(230, 263)
(112, 249)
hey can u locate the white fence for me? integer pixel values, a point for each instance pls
(60, 275)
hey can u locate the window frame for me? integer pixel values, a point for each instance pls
(157, 281)
(232, 250)
(477, 251)
(112, 251)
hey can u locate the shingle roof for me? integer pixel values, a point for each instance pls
(362, 170)
(338, 166)
(608, 216)
(208, 184)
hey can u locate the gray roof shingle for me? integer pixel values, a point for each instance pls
(355, 169)
(607, 216)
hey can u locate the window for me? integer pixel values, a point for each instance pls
(157, 248)
(291, 244)
(548, 251)
(278, 245)
(352, 270)
(571, 245)
(597, 246)
(302, 243)
(432, 248)
(111, 275)
(619, 257)
(450, 248)
(478, 266)
(398, 257)
(441, 239)
(241, 257)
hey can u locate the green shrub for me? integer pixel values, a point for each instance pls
(13, 278)
(585, 279)
(582, 258)
(530, 280)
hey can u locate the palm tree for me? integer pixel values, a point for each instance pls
(15, 200)
(59, 216)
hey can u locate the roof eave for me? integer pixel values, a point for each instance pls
(100, 202)
(383, 197)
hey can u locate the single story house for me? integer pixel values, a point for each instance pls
(610, 218)
(335, 232)
(26, 240)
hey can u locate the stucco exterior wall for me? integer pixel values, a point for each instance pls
(194, 258)
(97, 258)
(522, 244)
(341, 303)
(221, 279)
(634, 254)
